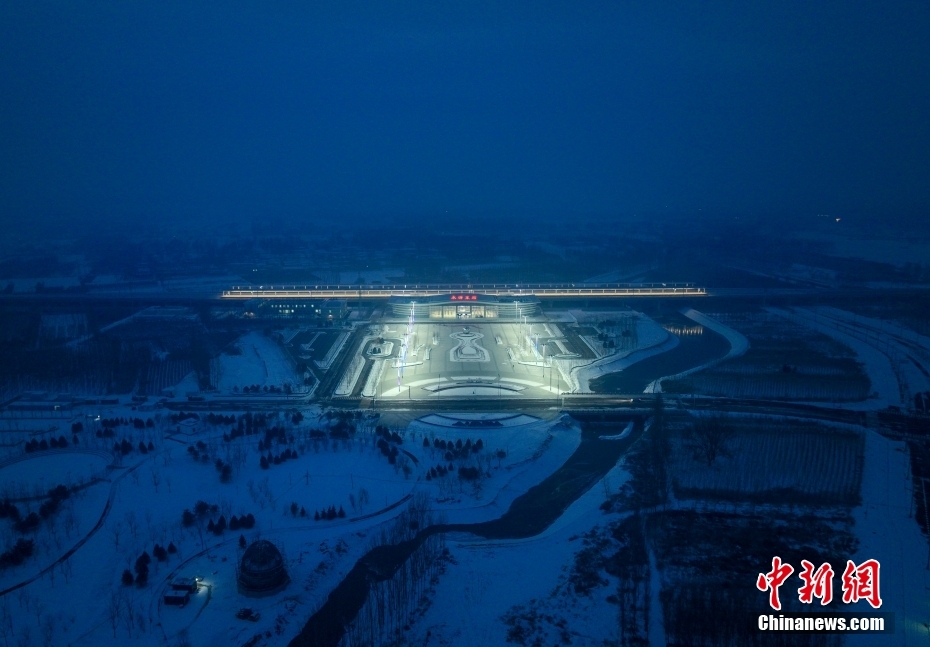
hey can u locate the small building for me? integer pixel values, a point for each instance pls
(466, 305)
(188, 584)
(262, 570)
(297, 308)
(177, 598)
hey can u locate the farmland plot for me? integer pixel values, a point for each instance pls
(777, 462)
(784, 361)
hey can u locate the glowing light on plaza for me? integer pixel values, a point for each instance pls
(403, 348)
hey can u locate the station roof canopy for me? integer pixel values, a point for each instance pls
(474, 298)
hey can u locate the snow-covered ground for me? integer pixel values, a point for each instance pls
(653, 339)
(738, 345)
(885, 386)
(879, 325)
(533, 451)
(38, 473)
(82, 602)
(888, 533)
(908, 351)
(479, 587)
(262, 361)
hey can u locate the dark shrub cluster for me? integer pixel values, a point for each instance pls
(22, 549)
(438, 472)
(276, 459)
(219, 419)
(328, 514)
(388, 450)
(41, 445)
(458, 449)
(388, 435)
(113, 423)
(8, 510)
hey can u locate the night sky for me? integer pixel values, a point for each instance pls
(161, 109)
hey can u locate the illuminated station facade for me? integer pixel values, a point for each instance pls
(458, 306)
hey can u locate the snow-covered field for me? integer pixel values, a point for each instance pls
(888, 533)
(478, 590)
(82, 602)
(261, 362)
(533, 451)
(38, 473)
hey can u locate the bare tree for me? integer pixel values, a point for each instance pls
(25, 636)
(114, 608)
(132, 523)
(709, 438)
(6, 621)
(39, 610)
(130, 615)
(47, 627)
(116, 530)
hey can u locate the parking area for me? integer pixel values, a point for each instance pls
(464, 359)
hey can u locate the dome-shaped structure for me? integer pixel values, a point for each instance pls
(262, 570)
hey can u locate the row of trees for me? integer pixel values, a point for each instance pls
(35, 445)
(113, 423)
(268, 388)
(141, 567)
(30, 522)
(328, 514)
(124, 447)
(392, 599)
(22, 549)
(266, 462)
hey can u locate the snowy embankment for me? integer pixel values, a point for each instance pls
(888, 533)
(885, 387)
(877, 325)
(533, 451)
(738, 345)
(471, 599)
(908, 351)
(653, 339)
(623, 434)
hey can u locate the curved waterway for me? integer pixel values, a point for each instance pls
(692, 350)
(527, 516)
